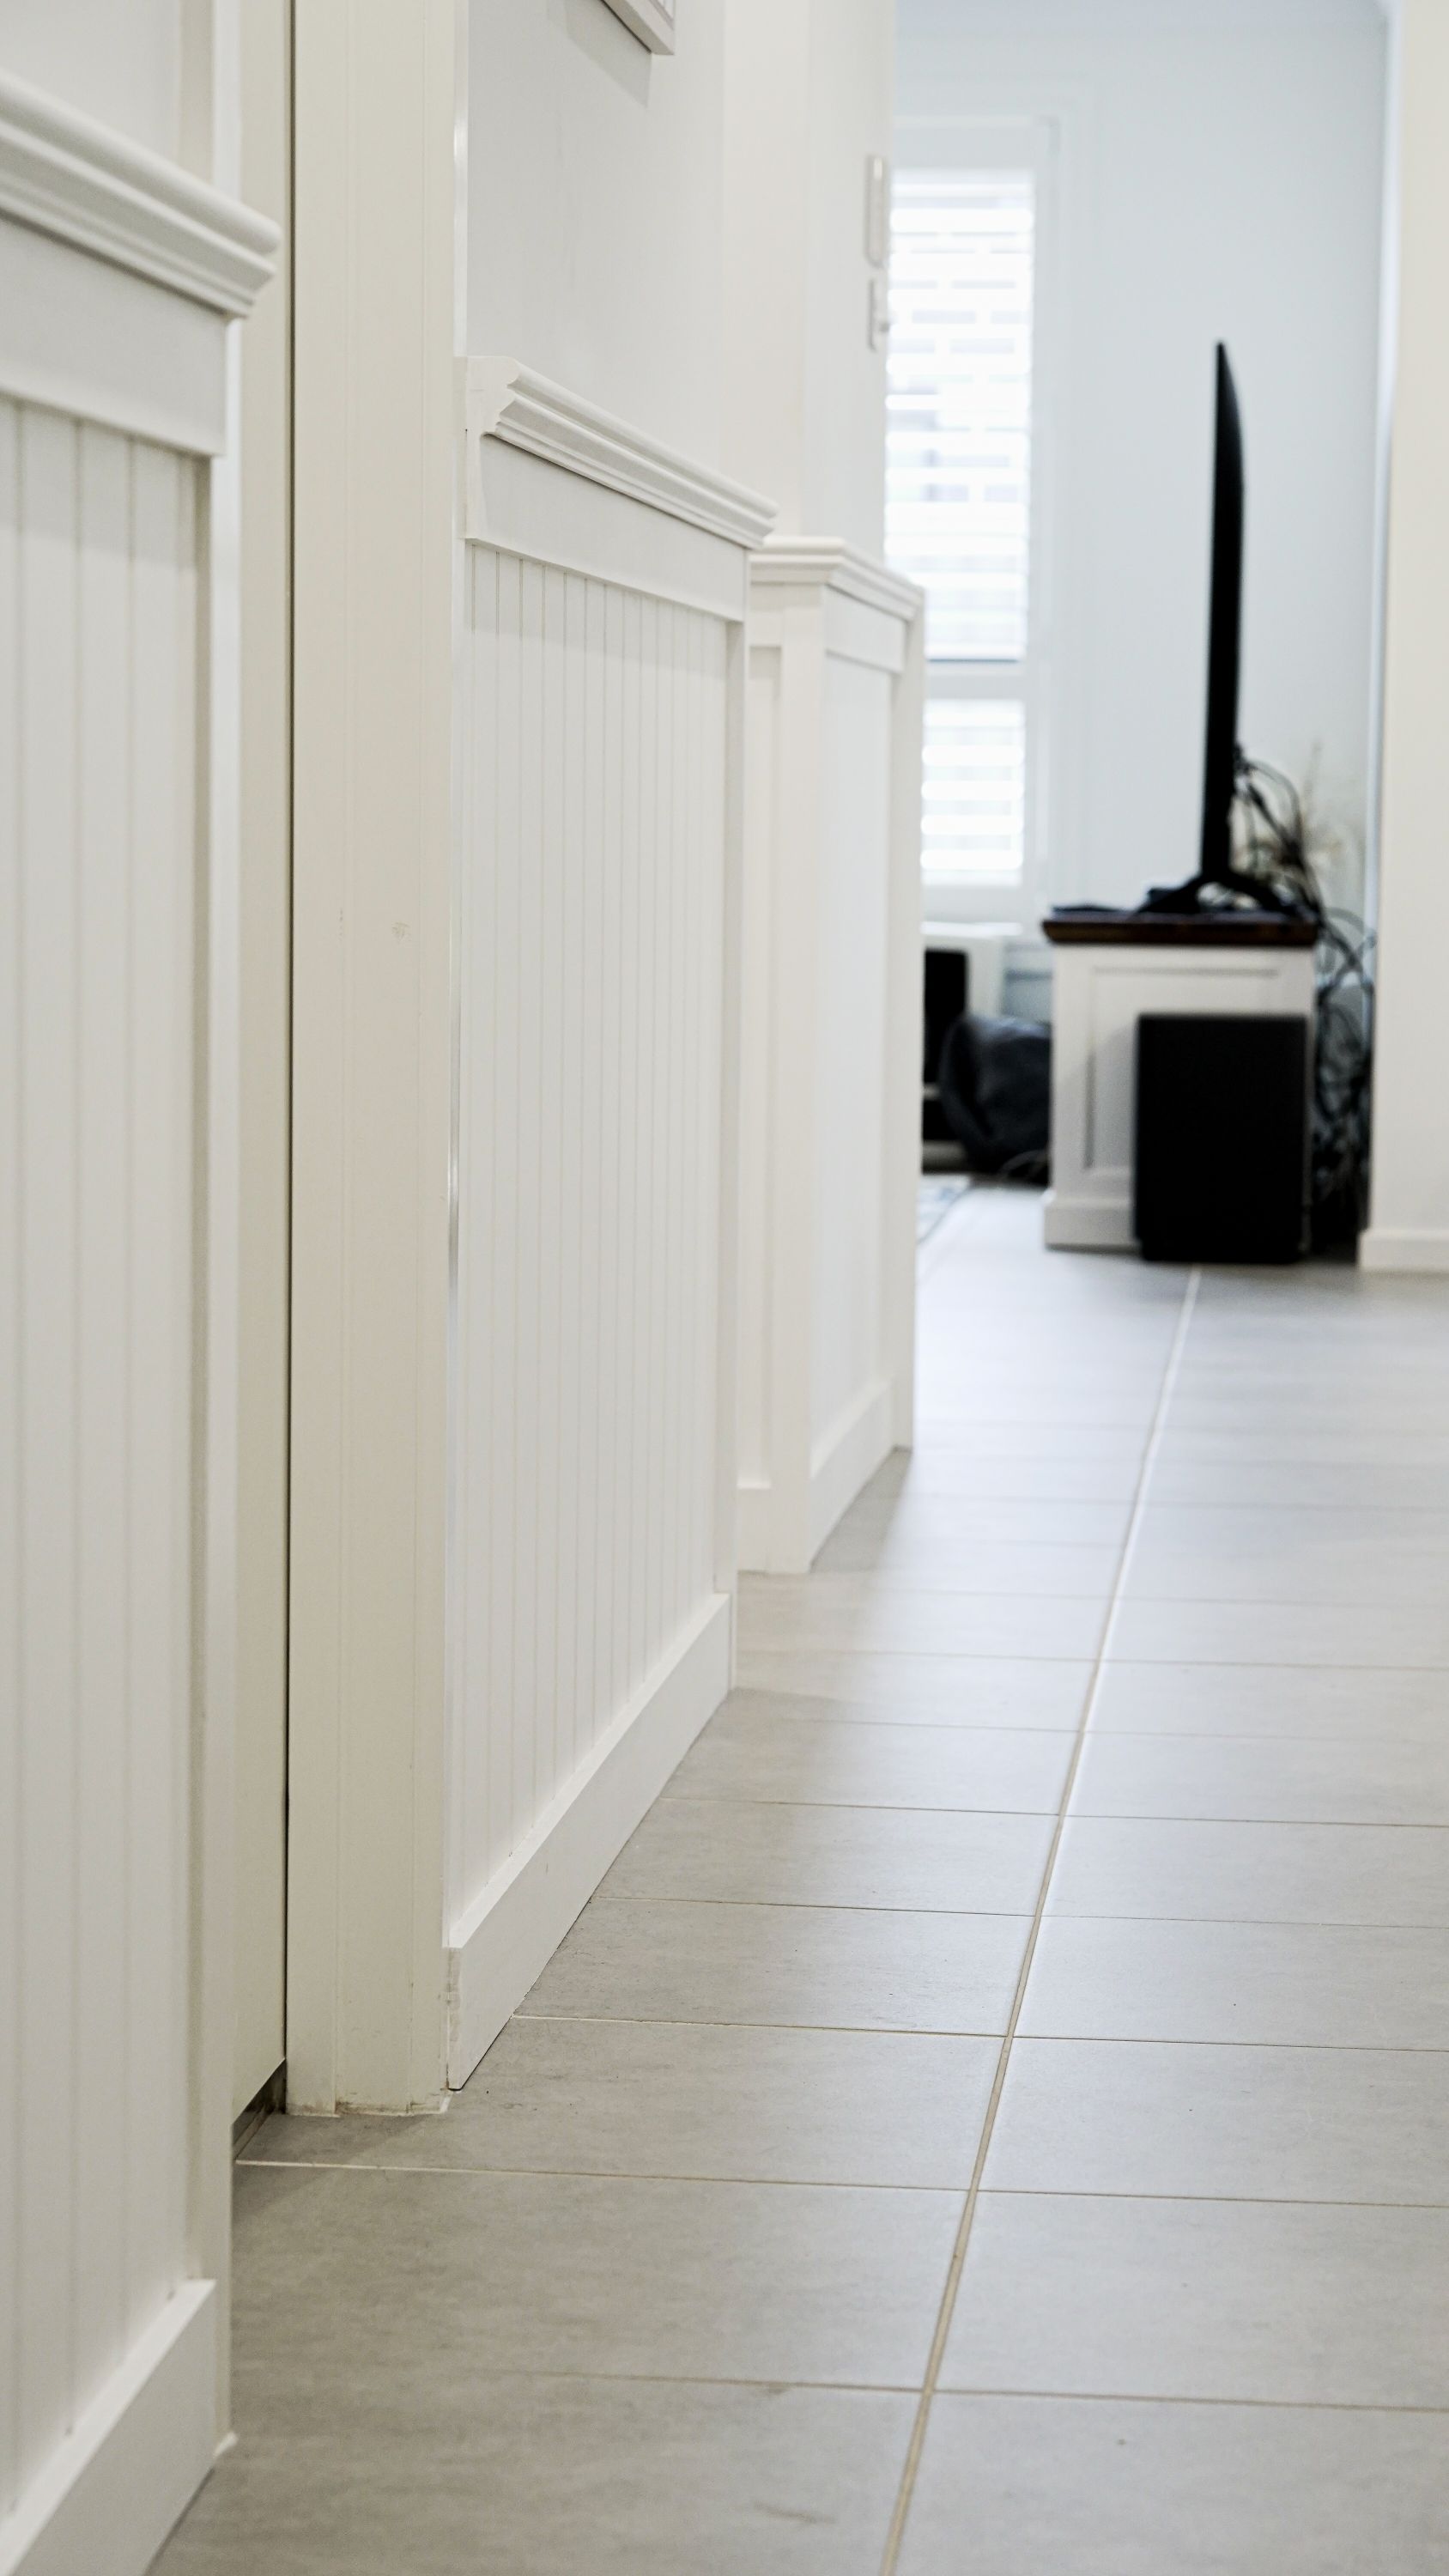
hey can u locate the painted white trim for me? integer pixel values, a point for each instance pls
(526, 506)
(503, 399)
(86, 338)
(1405, 1249)
(1087, 1225)
(118, 2483)
(827, 563)
(63, 174)
(262, 896)
(755, 1511)
(504, 1941)
(119, 273)
(375, 569)
(847, 1458)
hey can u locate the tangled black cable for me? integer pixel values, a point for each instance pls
(1274, 851)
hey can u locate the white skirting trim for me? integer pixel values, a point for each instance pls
(754, 1528)
(847, 1458)
(116, 2486)
(783, 1532)
(1088, 1225)
(508, 1936)
(1404, 1248)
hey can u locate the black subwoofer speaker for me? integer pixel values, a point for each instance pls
(1222, 1138)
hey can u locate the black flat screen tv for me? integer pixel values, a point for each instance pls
(1224, 634)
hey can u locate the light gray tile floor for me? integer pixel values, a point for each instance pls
(994, 2118)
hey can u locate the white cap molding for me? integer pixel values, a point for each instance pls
(505, 400)
(64, 175)
(828, 563)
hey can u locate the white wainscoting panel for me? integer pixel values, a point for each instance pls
(849, 1364)
(593, 1388)
(120, 273)
(832, 1040)
(98, 630)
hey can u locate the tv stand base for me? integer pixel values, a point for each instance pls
(1107, 970)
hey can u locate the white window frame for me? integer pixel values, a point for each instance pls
(966, 145)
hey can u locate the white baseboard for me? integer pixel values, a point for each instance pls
(1404, 1248)
(118, 2483)
(847, 1458)
(507, 1937)
(1087, 1225)
(754, 1527)
(776, 1534)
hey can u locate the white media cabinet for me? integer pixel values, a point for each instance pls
(1107, 970)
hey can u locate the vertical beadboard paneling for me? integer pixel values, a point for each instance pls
(104, 971)
(163, 618)
(849, 1357)
(47, 1450)
(615, 1145)
(592, 908)
(11, 1668)
(756, 1391)
(98, 614)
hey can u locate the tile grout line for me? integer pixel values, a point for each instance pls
(916, 2030)
(1036, 1815)
(1074, 1914)
(899, 2388)
(896, 2536)
(358, 2165)
(1135, 1663)
(853, 1712)
(919, 2031)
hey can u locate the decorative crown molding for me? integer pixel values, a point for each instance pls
(62, 173)
(827, 563)
(504, 399)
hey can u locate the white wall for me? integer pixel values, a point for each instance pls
(119, 61)
(595, 208)
(1221, 178)
(1409, 1223)
(808, 92)
(852, 86)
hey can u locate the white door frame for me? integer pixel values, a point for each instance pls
(374, 569)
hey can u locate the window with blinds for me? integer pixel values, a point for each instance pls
(973, 814)
(959, 493)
